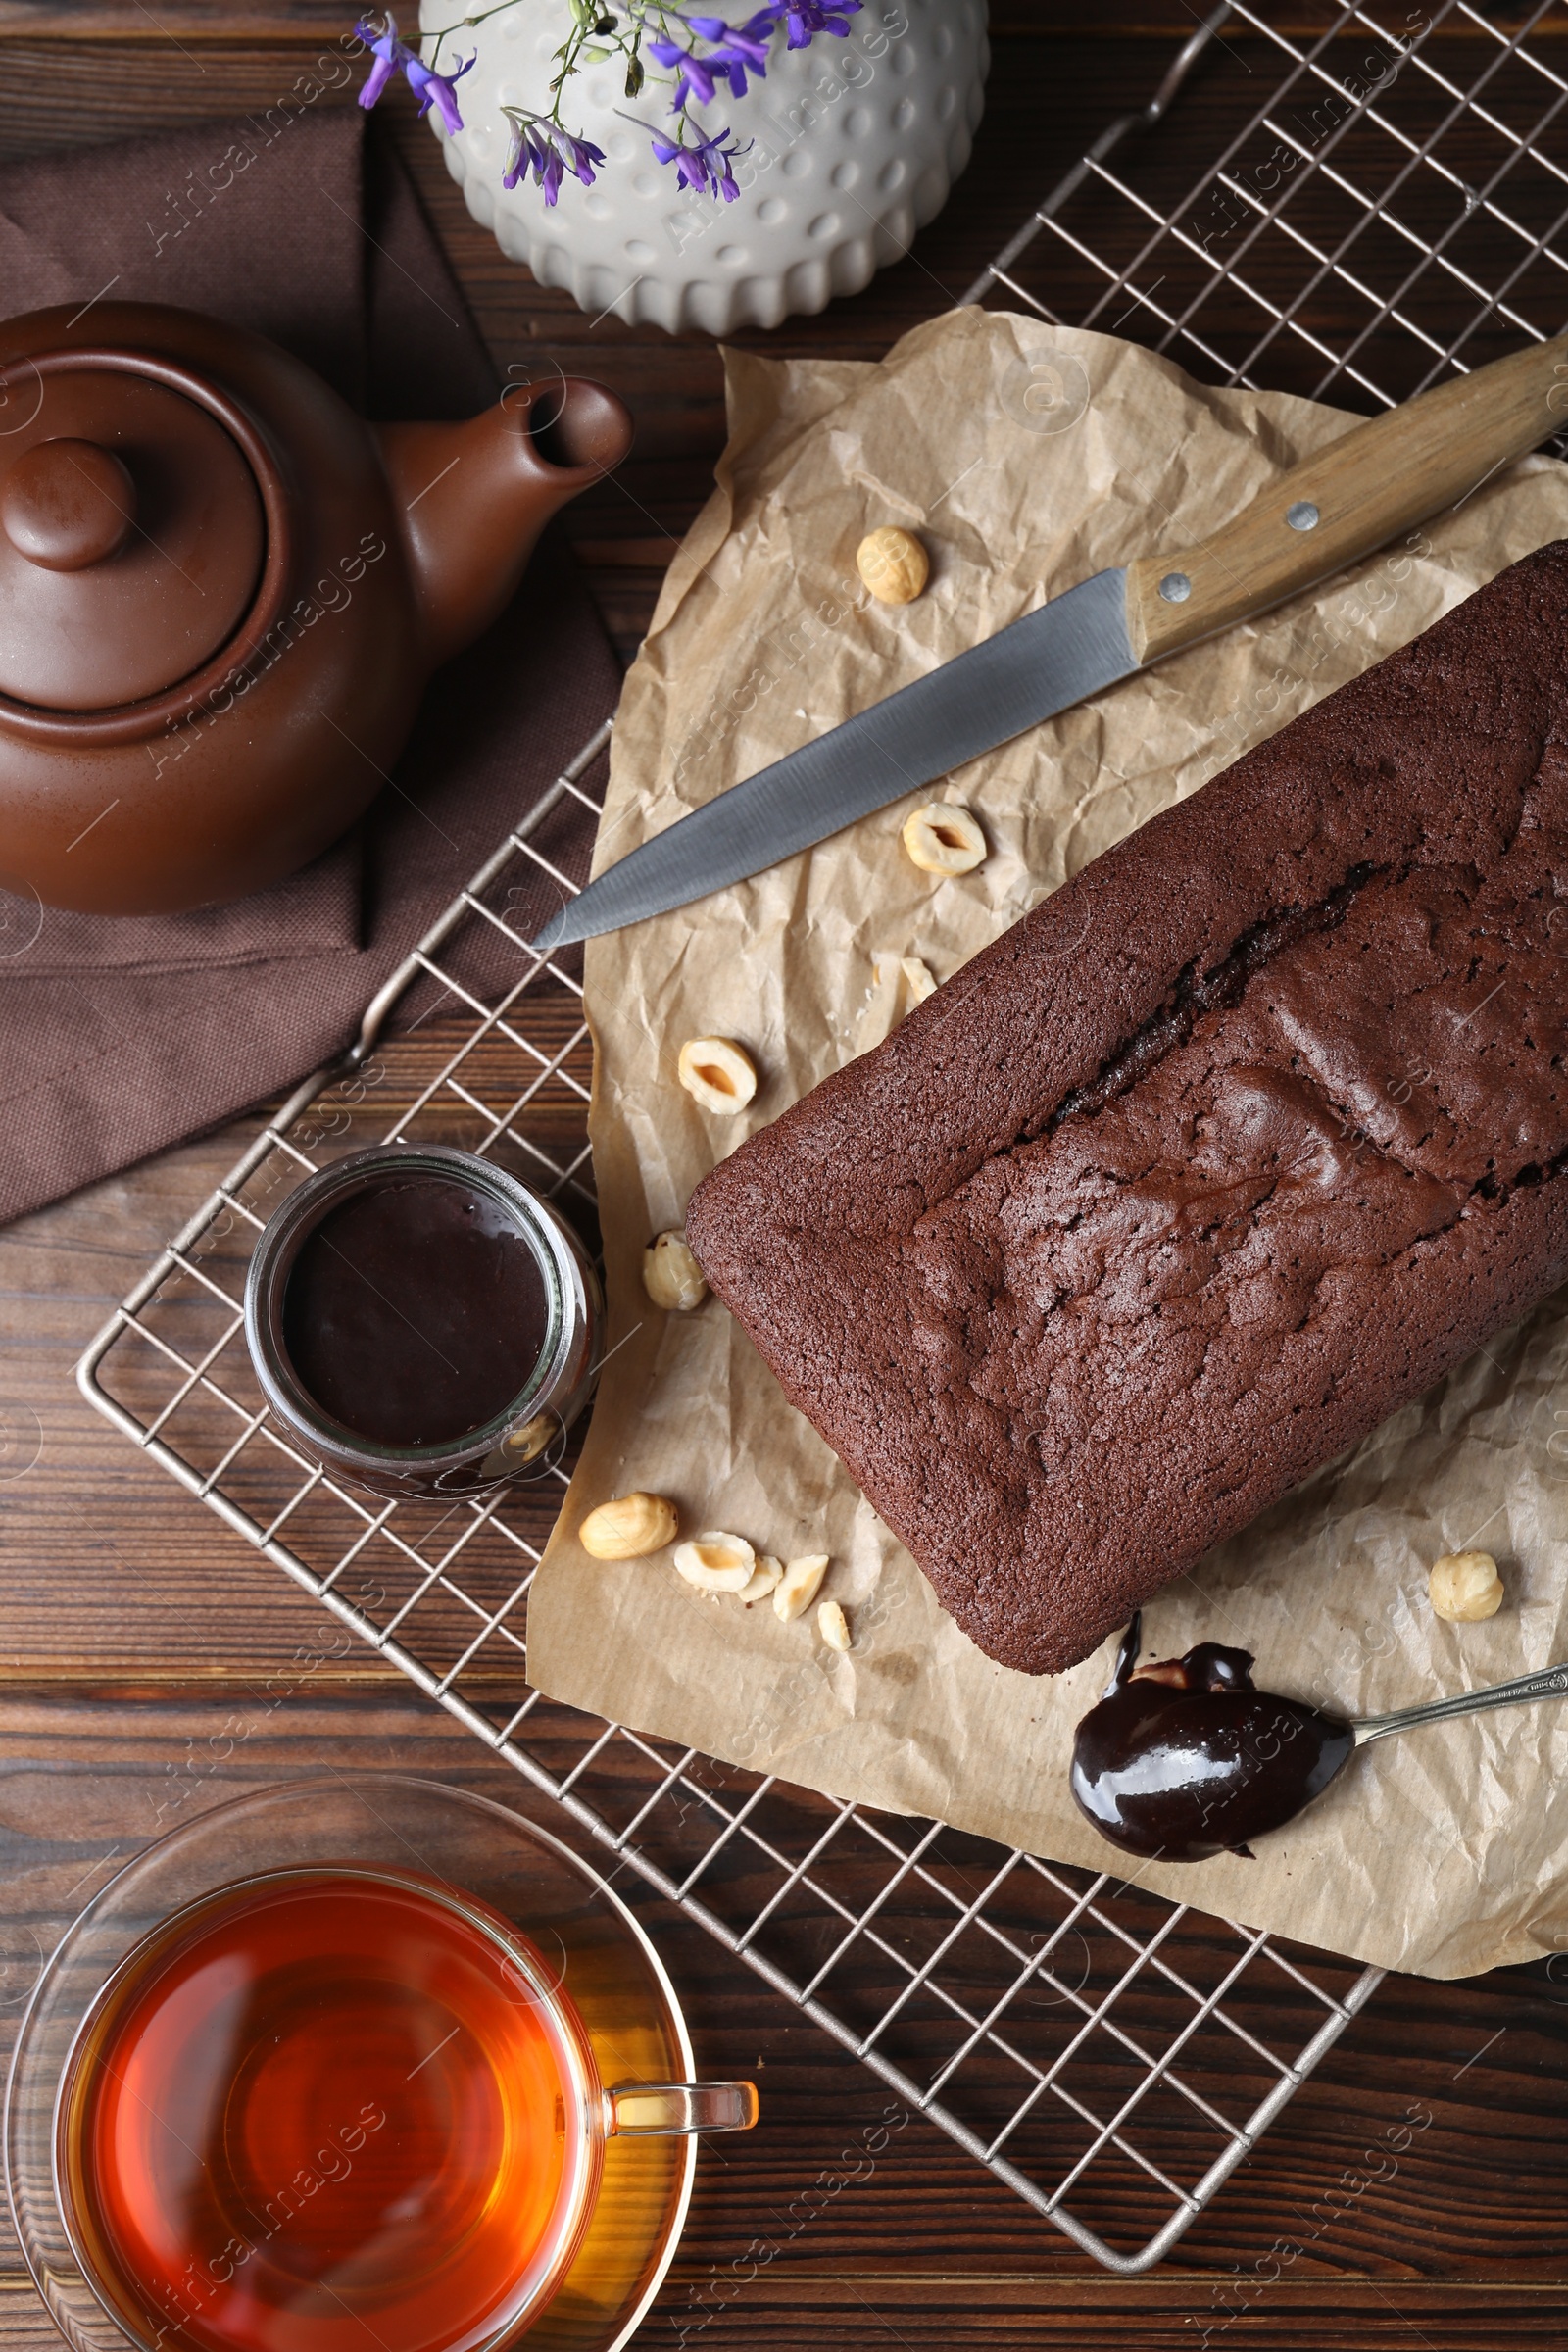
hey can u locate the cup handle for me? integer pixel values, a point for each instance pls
(661, 2109)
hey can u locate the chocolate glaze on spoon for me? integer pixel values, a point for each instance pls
(1188, 1758)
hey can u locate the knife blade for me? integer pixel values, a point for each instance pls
(1070, 647)
(1343, 503)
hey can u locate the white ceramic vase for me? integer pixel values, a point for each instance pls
(854, 144)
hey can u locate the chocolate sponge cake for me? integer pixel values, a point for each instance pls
(1235, 1145)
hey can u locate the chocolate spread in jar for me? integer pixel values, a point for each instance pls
(415, 1311)
(1188, 1758)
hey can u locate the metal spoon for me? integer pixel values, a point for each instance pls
(1188, 1758)
(1548, 1681)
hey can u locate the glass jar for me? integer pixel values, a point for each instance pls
(511, 1432)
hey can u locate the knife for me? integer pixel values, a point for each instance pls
(1378, 479)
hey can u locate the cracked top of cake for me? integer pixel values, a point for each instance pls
(1235, 1145)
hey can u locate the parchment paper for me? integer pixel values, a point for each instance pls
(1027, 457)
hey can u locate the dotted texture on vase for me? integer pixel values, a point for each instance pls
(853, 145)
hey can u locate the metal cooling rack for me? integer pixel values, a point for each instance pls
(1110, 2056)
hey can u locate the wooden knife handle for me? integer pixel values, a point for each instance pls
(1379, 479)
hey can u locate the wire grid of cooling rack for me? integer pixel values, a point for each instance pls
(1436, 203)
(1110, 2056)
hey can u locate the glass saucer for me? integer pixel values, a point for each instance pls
(606, 1963)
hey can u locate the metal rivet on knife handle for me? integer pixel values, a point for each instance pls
(1377, 481)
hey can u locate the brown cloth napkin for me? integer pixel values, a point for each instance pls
(122, 1035)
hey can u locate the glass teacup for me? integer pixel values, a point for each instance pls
(345, 2098)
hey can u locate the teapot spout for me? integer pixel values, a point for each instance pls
(472, 498)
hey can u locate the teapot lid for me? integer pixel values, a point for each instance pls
(132, 530)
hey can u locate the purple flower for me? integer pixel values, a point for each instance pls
(739, 50)
(742, 48)
(706, 166)
(380, 36)
(696, 74)
(381, 39)
(549, 152)
(435, 89)
(807, 17)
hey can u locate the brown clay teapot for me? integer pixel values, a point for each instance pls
(221, 594)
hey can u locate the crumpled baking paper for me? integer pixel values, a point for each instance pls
(1026, 457)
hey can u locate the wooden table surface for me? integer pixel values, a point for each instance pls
(136, 1635)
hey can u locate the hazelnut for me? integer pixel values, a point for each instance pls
(919, 981)
(628, 1527)
(797, 1589)
(833, 1625)
(717, 1562)
(671, 1276)
(1466, 1587)
(718, 1073)
(943, 838)
(894, 564)
(764, 1579)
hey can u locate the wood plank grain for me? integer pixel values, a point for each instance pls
(1051, 88)
(799, 2231)
(869, 2308)
(284, 21)
(108, 1566)
(157, 1585)
(143, 1649)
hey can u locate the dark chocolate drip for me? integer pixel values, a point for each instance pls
(1188, 1758)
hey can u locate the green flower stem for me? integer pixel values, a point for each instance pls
(464, 22)
(633, 20)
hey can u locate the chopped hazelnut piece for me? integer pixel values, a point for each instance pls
(797, 1586)
(944, 839)
(919, 981)
(766, 1578)
(717, 1562)
(718, 1073)
(833, 1625)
